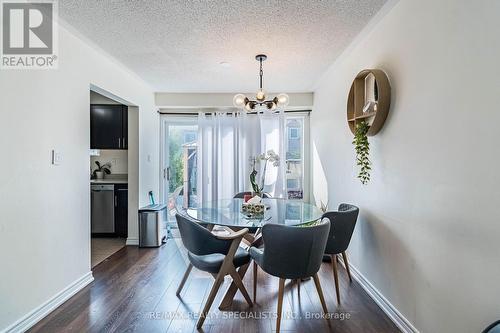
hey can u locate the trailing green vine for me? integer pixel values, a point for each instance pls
(362, 147)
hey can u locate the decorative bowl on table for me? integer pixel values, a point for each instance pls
(253, 209)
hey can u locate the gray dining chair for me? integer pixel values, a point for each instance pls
(493, 328)
(218, 255)
(342, 226)
(292, 253)
(241, 195)
(207, 226)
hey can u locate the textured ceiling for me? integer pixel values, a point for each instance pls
(177, 46)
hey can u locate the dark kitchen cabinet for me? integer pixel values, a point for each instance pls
(121, 210)
(108, 126)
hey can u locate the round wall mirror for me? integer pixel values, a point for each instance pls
(369, 100)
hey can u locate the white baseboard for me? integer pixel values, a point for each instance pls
(134, 241)
(29, 320)
(390, 310)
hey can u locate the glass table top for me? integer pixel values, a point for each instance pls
(228, 213)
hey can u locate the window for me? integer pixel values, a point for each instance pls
(190, 136)
(293, 133)
(295, 152)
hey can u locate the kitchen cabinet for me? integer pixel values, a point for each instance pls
(121, 210)
(108, 126)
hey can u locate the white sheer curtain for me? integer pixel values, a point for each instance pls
(225, 144)
(272, 131)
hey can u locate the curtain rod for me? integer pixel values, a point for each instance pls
(211, 112)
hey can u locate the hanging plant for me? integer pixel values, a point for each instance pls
(362, 147)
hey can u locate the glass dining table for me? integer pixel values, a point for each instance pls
(227, 213)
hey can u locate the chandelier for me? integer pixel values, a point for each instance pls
(261, 102)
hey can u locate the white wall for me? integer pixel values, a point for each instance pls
(221, 100)
(136, 198)
(427, 236)
(44, 223)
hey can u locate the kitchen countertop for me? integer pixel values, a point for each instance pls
(109, 181)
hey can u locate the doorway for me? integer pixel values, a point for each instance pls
(113, 222)
(108, 177)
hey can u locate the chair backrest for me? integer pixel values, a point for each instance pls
(199, 240)
(294, 252)
(342, 226)
(493, 328)
(241, 195)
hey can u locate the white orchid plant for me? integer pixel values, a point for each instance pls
(269, 157)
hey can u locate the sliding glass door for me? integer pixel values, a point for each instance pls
(182, 149)
(179, 162)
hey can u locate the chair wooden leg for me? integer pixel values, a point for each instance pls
(184, 279)
(280, 304)
(239, 283)
(320, 292)
(335, 277)
(346, 263)
(213, 292)
(228, 298)
(255, 268)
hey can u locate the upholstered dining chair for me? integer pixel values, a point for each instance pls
(292, 253)
(209, 227)
(493, 328)
(241, 195)
(218, 255)
(342, 226)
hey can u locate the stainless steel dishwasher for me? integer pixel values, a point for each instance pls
(102, 209)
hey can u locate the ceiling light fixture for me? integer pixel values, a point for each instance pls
(242, 102)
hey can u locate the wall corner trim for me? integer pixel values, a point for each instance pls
(132, 241)
(390, 310)
(40, 312)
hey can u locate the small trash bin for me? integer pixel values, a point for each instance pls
(152, 228)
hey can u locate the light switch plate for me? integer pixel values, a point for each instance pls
(56, 157)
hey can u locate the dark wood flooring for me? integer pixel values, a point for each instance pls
(134, 291)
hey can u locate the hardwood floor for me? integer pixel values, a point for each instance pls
(134, 291)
